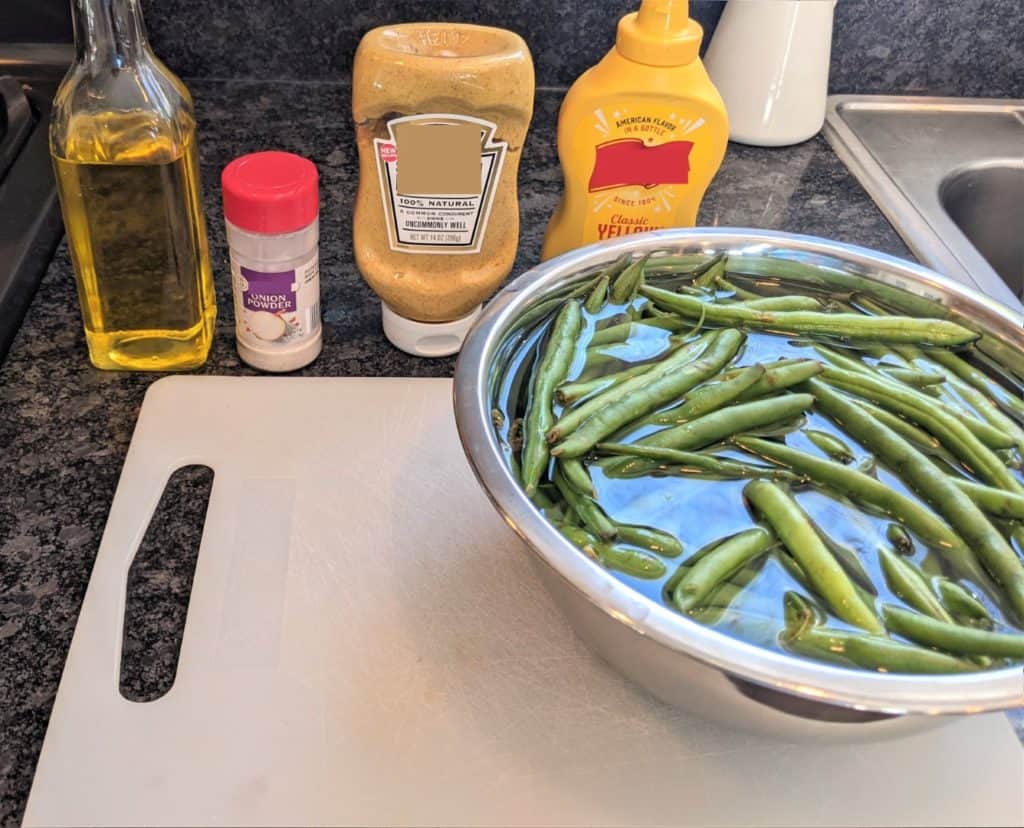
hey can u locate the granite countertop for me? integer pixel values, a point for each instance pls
(65, 427)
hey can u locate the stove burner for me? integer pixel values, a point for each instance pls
(16, 121)
(30, 224)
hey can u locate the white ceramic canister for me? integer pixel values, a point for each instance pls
(770, 62)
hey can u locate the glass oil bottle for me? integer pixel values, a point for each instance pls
(123, 141)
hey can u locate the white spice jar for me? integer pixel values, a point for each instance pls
(271, 212)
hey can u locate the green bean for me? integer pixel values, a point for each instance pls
(652, 390)
(728, 591)
(909, 584)
(819, 643)
(969, 374)
(795, 530)
(684, 264)
(541, 499)
(830, 445)
(650, 310)
(910, 402)
(570, 392)
(1012, 458)
(613, 319)
(793, 569)
(586, 508)
(551, 369)
(886, 655)
(814, 275)
(577, 476)
(682, 356)
(739, 293)
(843, 361)
(704, 462)
(905, 429)
(708, 397)
(716, 426)
(962, 604)
(622, 331)
(723, 595)
(952, 637)
(989, 412)
(717, 566)
(798, 612)
(951, 428)
(705, 275)
(598, 294)
(581, 539)
(625, 286)
(866, 489)
(780, 303)
(615, 268)
(900, 539)
(932, 485)
(882, 353)
(849, 560)
(780, 428)
(635, 562)
(909, 376)
(991, 500)
(549, 306)
(653, 540)
(704, 294)
(552, 511)
(780, 376)
(976, 399)
(850, 326)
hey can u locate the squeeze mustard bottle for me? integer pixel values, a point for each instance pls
(640, 135)
(441, 112)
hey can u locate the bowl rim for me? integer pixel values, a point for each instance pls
(892, 694)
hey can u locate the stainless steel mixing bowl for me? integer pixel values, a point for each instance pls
(676, 658)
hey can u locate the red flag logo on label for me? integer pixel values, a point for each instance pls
(628, 162)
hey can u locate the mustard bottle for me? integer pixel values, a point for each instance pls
(441, 112)
(640, 135)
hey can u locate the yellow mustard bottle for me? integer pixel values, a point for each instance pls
(640, 135)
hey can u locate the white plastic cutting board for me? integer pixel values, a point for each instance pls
(366, 644)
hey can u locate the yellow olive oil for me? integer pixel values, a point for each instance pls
(131, 202)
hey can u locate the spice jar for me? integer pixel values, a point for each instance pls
(441, 113)
(271, 212)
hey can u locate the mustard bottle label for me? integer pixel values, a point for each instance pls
(438, 176)
(641, 168)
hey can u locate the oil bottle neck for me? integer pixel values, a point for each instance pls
(109, 32)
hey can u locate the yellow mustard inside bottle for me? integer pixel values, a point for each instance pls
(441, 112)
(123, 142)
(640, 135)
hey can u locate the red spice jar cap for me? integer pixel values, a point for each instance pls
(270, 192)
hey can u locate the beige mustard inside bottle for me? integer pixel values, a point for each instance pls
(123, 141)
(640, 135)
(441, 113)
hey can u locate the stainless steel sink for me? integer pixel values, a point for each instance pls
(949, 175)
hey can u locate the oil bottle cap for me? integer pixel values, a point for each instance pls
(270, 192)
(660, 34)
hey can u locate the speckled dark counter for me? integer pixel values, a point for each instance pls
(65, 426)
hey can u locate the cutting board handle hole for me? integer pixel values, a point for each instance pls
(160, 584)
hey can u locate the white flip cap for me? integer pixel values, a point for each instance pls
(427, 339)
